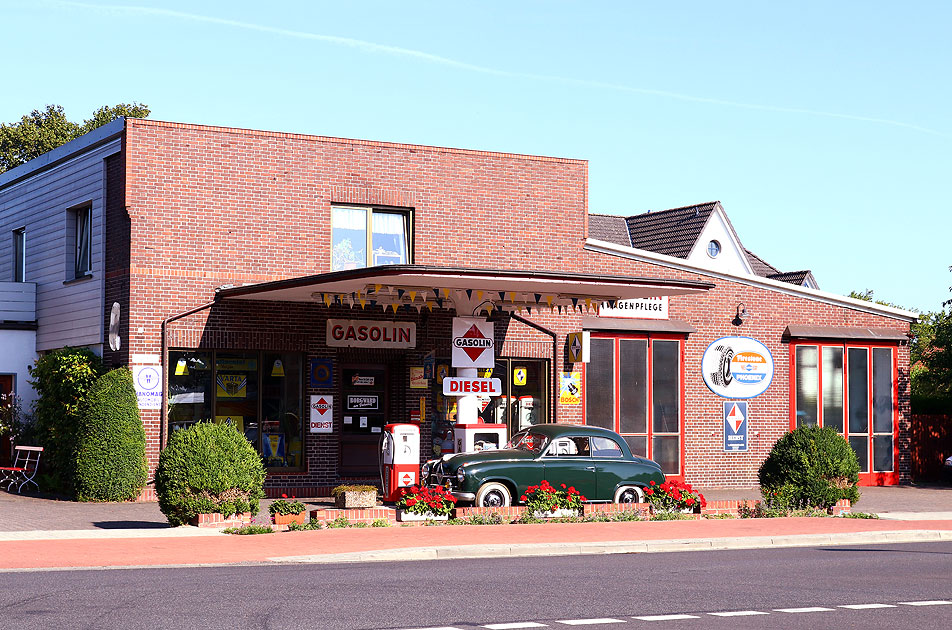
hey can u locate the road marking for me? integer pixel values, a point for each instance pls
(738, 613)
(803, 610)
(513, 626)
(589, 622)
(934, 602)
(441, 628)
(665, 617)
(865, 606)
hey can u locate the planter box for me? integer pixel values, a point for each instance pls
(287, 519)
(353, 500)
(407, 517)
(559, 513)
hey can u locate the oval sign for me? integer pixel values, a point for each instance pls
(737, 367)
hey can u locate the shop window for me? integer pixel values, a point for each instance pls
(524, 400)
(260, 394)
(366, 237)
(19, 255)
(646, 374)
(850, 389)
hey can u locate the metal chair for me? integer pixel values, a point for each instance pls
(23, 470)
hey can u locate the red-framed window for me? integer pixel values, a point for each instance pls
(634, 386)
(850, 388)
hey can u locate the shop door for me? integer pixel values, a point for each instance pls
(364, 410)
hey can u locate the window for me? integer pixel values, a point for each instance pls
(646, 374)
(851, 390)
(713, 249)
(259, 393)
(79, 243)
(367, 237)
(19, 255)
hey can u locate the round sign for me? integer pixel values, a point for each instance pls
(737, 367)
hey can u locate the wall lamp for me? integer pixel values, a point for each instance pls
(741, 314)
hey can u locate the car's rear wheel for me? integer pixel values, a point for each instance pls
(493, 494)
(629, 494)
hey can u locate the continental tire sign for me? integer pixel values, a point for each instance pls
(737, 367)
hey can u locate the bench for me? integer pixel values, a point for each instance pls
(23, 470)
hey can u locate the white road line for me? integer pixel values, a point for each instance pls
(866, 606)
(803, 610)
(665, 617)
(513, 626)
(934, 602)
(441, 628)
(738, 613)
(589, 622)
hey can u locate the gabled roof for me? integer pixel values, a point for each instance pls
(611, 228)
(760, 266)
(671, 232)
(803, 278)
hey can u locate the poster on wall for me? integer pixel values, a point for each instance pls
(148, 382)
(473, 343)
(322, 414)
(570, 388)
(418, 378)
(231, 385)
(735, 426)
(737, 367)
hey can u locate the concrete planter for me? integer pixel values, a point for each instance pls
(287, 519)
(408, 517)
(355, 500)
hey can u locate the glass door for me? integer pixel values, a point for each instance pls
(364, 414)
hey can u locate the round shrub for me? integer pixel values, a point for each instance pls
(208, 468)
(809, 467)
(110, 442)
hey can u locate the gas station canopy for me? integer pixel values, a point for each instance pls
(468, 291)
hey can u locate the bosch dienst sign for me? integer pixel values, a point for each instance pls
(458, 386)
(737, 367)
(473, 343)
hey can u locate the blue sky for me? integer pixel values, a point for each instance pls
(823, 127)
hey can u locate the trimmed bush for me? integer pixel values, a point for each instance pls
(809, 467)
(62, 379)
(110, 442)
(208, 468)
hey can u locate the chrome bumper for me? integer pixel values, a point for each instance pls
(464, 496)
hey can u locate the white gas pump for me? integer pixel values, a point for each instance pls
(479, 437)
(528, 412)
(399, 459)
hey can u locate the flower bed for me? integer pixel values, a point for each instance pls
(435, 502)
(674, 496)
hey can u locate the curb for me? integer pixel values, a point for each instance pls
(619, 547)
(185, 531)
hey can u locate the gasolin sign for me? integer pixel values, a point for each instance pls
(737, 367)
(473, 343)
(322, 414)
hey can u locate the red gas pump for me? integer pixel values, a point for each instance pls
(399, 459)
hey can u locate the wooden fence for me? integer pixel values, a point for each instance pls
(931, 444)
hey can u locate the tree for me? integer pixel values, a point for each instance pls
(42, 131)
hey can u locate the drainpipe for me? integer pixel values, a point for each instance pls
(163, 424)
(555, 360)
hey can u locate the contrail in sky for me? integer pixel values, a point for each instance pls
(371, 47)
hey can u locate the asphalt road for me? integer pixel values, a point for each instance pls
(810, 585)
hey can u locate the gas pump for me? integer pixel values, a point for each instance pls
(399, 459)
(528, 412)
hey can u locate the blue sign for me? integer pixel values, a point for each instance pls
(735, 426)
(322, 373)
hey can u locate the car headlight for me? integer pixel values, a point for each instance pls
(426, 471)
(460, 474)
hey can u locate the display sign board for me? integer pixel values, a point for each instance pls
(322, 414)
(737, 367)
(570, 388)
(148, 382)
(639, 308)
(735, 426)
(579, 344)
(473, 343)
(362, 333)
(458, 386)
(368, 402)
(322, 373)
(418, 378)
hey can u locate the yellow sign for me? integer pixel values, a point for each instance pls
(417, 378)
(485, 372)
(237, 421)
(232, 385)
(442, 371)
(570, 388)
(519, 376)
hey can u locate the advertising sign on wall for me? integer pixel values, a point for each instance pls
(362, 333)
(640, 308)
(148, 382)
(473, 343)
(735, 427)
(737, 367)
(322, 414)
(570, 388)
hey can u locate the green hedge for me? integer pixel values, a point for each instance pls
(110, 460)
(62, 380)
(809, 467)
(208, 468)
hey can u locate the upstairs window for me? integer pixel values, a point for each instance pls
(79, 241)
(19, 255)
(367, 237)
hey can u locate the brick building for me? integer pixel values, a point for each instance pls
(246, 275)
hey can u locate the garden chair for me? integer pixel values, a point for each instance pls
(23, 470)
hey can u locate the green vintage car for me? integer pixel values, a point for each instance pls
(596, 461)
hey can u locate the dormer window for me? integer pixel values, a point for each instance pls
(713, 249)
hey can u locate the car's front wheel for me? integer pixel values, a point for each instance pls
(629, 494)
(492, 495)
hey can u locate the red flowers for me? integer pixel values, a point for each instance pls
(546, 498)
(436, 500)
(673, 495)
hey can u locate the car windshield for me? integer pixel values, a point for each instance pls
(528, 441)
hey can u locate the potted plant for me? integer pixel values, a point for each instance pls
(284, 512)
(674, 496)
(350, 497)
(547, 501)
(418, 503)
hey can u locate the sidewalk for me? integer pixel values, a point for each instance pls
(43, 534)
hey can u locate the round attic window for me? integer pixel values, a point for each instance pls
(713, 249)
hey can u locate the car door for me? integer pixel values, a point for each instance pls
(612, 467)
(568, 461)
